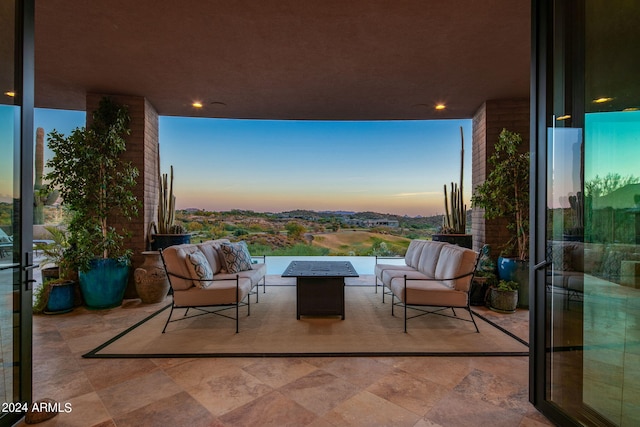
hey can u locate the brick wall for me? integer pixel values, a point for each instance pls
(488, 122)
(142, 152)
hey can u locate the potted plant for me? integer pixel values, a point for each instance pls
(484, 278)
(505, 194)
(58, 291)
(504, 296)
(166, 232)
(96, 184)
(454, 221)
(52, 252)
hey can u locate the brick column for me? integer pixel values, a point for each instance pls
(142, 152)
(488, 122)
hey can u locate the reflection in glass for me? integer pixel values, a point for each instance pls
(9, 280)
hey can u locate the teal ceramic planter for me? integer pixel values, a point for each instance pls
(104, 284)
(518, 271)
(61, 298)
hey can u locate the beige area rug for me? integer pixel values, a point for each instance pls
(272, 330)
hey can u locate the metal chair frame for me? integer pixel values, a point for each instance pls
(424, 312)
(201, 308)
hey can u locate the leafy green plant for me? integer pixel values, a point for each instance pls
(54, 252)
(40, 298)
(96, 184)
(505, 192)
(507, 285)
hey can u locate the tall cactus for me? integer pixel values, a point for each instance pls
(455, 218)
(166, 204)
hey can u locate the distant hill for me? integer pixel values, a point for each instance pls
(434, 221)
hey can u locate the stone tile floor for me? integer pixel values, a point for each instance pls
(339, 391)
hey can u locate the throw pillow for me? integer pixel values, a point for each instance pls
(199, 269)
(236, 257)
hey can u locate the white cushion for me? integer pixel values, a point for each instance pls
(199, 269)
(429, 257)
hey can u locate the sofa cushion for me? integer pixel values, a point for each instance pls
(220, 292)
(429, 257)
(389, 275)
(211, 250)
(255, 274)
(175, 260)
(380, 268)
(236, 257)
(199, 269)
(433, 293)
(413, 253)
(455, 261)
(561, 254)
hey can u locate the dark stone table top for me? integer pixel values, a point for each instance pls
(320, 269)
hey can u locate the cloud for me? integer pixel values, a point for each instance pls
(423, 193)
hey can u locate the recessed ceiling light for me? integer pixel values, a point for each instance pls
(219, 104)
(631, 109)
(602, 100)
(10, 94)
(440, 106)
(565, 117)
(197, 104)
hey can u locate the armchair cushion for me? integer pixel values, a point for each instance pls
(236, 257)
(199, 269)
(432, 293)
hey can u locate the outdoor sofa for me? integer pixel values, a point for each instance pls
(435, 274)
(607, 266)
(215, 273)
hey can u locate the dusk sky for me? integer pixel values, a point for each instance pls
(394, 167)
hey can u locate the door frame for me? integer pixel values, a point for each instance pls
(23, 203)
(542, 19)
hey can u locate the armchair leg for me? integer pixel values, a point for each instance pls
(473, 320)
(404, 291)
(393, 302)
(238, 302)
(168, 318)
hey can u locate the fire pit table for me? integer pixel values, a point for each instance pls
(320, 286)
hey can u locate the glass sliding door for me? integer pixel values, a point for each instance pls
(587, 328)
(16, 107)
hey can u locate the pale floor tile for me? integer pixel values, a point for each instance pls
(138, 392)
(228, 390)
(368, 410)
(86, 410)
(458, 410)
(176, 410)
(413, 393)
(278, 372)
(273, 409)
(446, 371)
(306, 391)
(360, 371)
(198, 372)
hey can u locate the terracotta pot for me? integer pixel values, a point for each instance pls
(151, 280)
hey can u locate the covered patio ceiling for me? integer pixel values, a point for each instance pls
(285, 59)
